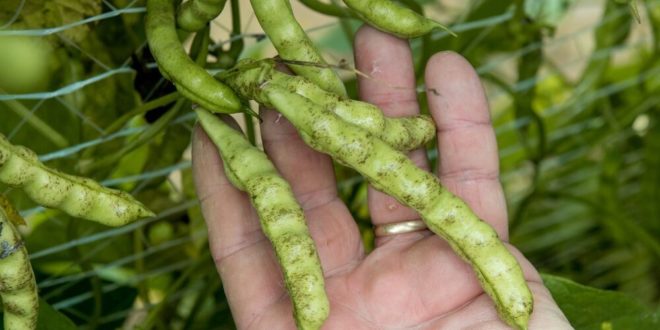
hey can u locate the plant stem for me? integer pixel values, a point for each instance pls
(41, 126)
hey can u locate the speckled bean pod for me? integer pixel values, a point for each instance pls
(77, 196)
(402, 133)
(389, 17)
(395, 174)
(282, 219)
(292, 43)
(191, 80)
(18, 287)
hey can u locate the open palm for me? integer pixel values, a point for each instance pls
(411, 280)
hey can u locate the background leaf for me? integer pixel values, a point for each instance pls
(50, 319)
(589, 308)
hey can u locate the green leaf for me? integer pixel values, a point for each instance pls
(51, 319)
(590, 308)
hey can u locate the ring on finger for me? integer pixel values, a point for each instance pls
(402, 227)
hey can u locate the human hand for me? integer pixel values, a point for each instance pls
(411, 280)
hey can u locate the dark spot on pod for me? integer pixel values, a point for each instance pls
(26, 153)
(356, 150)
(293, 250)
(13, 308)
(449, 220)
(406, 198)
(272, 216)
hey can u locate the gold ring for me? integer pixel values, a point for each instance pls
(399, 228)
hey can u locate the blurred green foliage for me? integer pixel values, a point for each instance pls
(576, 112)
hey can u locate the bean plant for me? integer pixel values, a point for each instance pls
(84, 198)
(190, 75)
(394, 173)
(384, 167)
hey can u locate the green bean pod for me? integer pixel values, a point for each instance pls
(77, 196)
(395, 174)
(191, 80)
(193, 15)
(402, 133)
(18, 287)
(389, 17)
(292, 43)
(282, 219)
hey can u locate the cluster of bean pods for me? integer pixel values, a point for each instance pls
(77, 196)
(354, 133)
